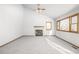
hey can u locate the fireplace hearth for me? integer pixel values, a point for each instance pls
(38, 32)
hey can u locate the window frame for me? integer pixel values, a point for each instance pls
(70, 23)
(58, 25)
(75, 23)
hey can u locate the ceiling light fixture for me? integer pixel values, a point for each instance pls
(39, 9)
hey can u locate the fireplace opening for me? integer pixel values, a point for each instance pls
(38, 32)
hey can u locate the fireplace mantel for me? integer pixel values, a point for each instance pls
(38, 26)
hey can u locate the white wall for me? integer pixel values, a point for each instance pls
(32, 19)
(16, 21)
(11, 22)
(70, 37)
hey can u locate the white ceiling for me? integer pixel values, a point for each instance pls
(53, 10)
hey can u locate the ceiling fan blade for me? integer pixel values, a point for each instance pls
(43, 9)
(38, 9)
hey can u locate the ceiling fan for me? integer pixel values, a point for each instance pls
(39, 9)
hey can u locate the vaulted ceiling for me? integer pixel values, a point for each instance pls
(53, 10)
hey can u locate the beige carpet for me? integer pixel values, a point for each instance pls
(30, 45)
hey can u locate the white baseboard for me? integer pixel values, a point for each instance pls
(11, 40)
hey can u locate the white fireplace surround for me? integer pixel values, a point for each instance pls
(38, 28)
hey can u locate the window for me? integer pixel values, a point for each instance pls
(74, 24)
(64, 24)
(69, 24)
(48, 25)
(58, 25)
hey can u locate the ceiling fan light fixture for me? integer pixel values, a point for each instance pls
(39, 9)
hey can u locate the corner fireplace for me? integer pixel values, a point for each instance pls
(38, 32)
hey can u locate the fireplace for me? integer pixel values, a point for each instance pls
(38, 32)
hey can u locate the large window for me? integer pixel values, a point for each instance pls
(69, 24)
(74, 24)
(64, 24)
(48, 25)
